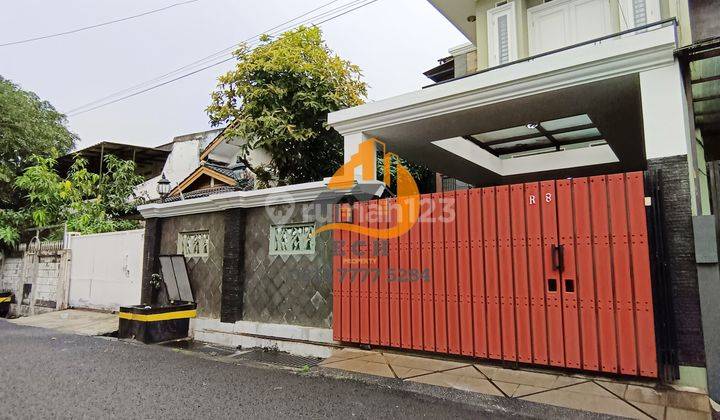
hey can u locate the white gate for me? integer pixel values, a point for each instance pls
(106, 270)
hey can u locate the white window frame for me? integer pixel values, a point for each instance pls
(493, 47)
(627, 16)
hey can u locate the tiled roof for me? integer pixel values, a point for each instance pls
(201, 193)
(222, 170)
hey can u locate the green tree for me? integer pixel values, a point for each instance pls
(424, 177)
(277, 98)
(87, 202)
(28, 126)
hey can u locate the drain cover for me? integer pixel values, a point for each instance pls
(279, 358)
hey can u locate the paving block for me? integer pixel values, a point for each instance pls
(525, 390)
(339, 355)
(507, 387)
(425, 363)
(655, 411)
(464, 383)
(674, 413)
(373, 357)
(542, 380)
(616, 388)
(405, 372)
(466, 371)
(604, 405)
(688, 401)
(589, 388)
(361, 366)
(645, 394)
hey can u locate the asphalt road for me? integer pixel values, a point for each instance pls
(46, 374)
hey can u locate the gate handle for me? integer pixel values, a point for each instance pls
(558, 257)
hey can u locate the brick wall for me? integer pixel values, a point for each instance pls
(11, 273)
(680, 252)
(46, 280)
(47, 273)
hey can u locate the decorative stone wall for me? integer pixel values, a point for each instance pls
(290, 288)
(205, 272)
(680, 251)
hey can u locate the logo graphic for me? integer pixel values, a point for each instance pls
(407, 207)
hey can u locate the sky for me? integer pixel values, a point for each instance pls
(393, 42)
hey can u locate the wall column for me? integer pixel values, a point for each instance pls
(151, 252)
(352, 146)
(706, 255)
(233, 275)
(668, 146)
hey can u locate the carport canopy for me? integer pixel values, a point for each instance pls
(577, 112)
(596, 125)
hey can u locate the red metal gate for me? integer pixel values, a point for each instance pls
(547, 273)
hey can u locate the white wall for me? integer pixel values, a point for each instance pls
(106, 270)
(184, 158)
(664, 112)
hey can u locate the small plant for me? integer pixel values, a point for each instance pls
(156, 281)
(305, 369)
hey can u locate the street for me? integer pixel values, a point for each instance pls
(47, 374)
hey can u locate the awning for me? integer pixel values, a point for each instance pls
(149, 160)
(704, 61)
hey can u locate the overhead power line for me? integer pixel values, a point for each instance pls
(198, 62)
(85, 28)
(325, 17)
(228, 50)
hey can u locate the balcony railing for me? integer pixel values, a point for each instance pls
(643, 28)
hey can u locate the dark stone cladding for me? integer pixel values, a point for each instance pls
(233, 278)
(151, 250)
(288, 289)
(206, 273)
(678, 233)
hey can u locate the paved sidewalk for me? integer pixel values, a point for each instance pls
(72, 321)
(625, 398)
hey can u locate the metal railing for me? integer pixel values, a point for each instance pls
(659, 24)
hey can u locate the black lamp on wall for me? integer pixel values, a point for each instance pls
(163, 187)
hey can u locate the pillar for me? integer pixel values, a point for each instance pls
(233, 277)
(151, 252)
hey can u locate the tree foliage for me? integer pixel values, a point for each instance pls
(277, 98)
(88, 202)
(28, 126)
(424, 177)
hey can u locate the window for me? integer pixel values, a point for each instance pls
(502, 47)
(562, 23)
(292, 239)
(634, 13)
(194, 244)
